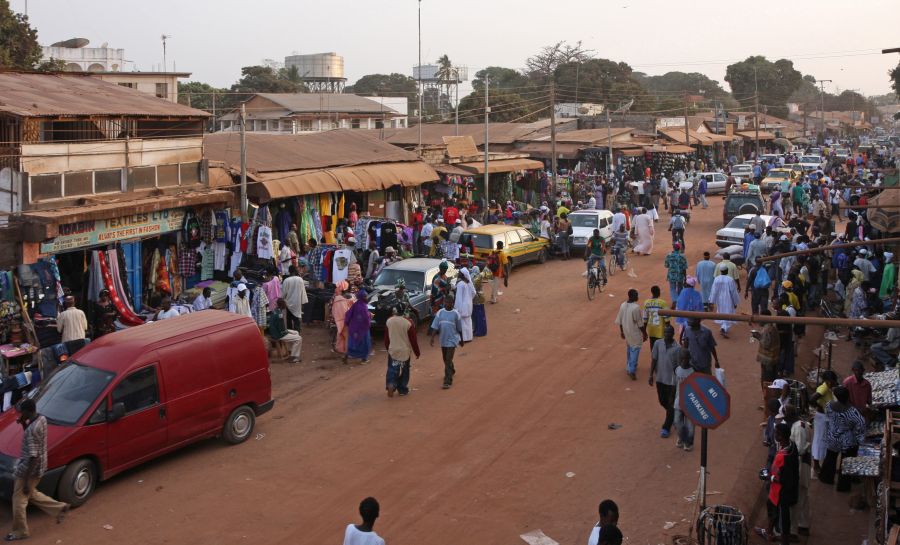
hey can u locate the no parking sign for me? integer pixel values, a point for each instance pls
(704, 400)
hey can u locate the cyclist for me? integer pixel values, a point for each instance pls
(620, 245)
(595, 250)
(676, 225)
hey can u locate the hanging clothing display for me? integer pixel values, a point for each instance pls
(264, 242)
(341, 263)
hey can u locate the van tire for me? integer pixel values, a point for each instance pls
(239, 426)
(78, 482)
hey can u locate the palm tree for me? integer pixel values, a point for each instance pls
(446, 75)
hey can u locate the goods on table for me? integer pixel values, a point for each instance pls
(861, 466)
(884, 386)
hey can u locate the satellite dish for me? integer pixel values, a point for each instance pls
(73, 43)
(624, 107)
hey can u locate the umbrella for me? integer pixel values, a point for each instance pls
(801, 140)
(783, 142)
(884, 213)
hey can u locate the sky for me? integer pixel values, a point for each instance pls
(213, 39)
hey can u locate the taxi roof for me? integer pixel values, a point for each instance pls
(494, 229)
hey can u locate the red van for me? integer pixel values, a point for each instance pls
(136, 394)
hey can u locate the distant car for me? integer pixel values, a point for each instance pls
(715, 182)
(776, 177)
(814, 151)
(796, 167)
(742, 201)
(519, 244)
(733, 232)
(771, 158)
(842, 153)
(417, 274)
(811, 162)
(585, 221)
(742, 172)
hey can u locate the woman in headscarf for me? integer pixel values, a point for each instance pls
(479, 317)
(464, 302)
(859, 304)
(358, 322)
(856, 278)
(440, 287)
(690, 300)
(643, 228)
(340, 304)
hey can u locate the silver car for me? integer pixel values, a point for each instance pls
(417, 273)
(733, 233)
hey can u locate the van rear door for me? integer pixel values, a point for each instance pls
(193, 398)
(142, 432)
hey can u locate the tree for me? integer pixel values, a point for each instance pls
(674, 84)
(598, 81)
(200, 95)
(387, 85)
(265, 79)
(895, 79)
(505, 106)
(775, 81)
(501, 78)
(544, 63)
(19, 48)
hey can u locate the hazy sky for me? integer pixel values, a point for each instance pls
(829, 39)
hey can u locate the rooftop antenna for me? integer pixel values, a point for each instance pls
(164, 37)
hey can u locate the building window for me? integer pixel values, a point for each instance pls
(354, 123)
(79, 183)
(273, 125)
(190, 173)
(166, 175)
(142, 178)
(162, 90)
(106, 181)
(129, 85)
(306, 125)
(46, 186)
(379, 124)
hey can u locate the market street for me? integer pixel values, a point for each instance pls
(481, 463)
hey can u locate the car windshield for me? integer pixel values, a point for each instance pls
(778, 174)
(742, 168)
(738, 223)
(70, 391)
(809, 159)
(584, 220)
(415, 280)
(485, 242)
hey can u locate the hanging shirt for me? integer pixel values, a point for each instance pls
(208, 263)
(264, 243)
(340, 263)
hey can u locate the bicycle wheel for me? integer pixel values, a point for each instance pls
(624, 261)
(602, 279)
(611, 266)
(591, 286)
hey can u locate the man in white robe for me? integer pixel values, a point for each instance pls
(725, 297)
(643, 227)
(293, 291)
(464, 303)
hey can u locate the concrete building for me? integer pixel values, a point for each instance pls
(292, 113)
(159, 84)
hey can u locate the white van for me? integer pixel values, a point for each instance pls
(585, 221)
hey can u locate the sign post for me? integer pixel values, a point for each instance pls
(707, 404)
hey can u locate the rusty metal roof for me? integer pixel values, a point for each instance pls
(284, 152)
(43, 95)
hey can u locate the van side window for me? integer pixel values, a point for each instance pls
(512, 237)
(137, 391)
(603, 222)
(526, 236)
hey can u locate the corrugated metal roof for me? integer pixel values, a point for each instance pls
(502, 165)
(283, 152)
(356, 178)
(36, 95)
(327, 102)
(584, 136)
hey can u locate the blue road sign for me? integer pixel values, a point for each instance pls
(704, 400)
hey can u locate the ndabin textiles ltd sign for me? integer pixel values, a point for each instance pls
(84, 234)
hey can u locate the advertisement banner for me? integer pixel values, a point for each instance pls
(84, 234)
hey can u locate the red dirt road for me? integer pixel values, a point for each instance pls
(481, 463)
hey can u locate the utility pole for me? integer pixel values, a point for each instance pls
(609, 150)
(822, 104)
(487, 111)
(456, 70)
(756, 122)
(420, 77)
(687, 134)
(553, 164)
(243, 161)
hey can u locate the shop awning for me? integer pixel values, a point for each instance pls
(564, 150)
(502, 165)
(41, 225)
(669, 148)
(450, 170)
(632, 152)
(363, 178)
(751, 135)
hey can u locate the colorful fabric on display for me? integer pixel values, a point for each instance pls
(187, 260)
(207, 264)
(220, 231)
(126, 315)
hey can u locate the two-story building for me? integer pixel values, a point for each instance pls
(292, 113)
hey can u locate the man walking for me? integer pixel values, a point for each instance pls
(684, 428)
(364, 534)
(725, 297)
(664, 360)
(677, 266)
(706, 273)
(448, 325)
(653, 322)
(631, 328)
(29, 468)
(498, 264)
(72, 322)
(401, 342)
(701, 345)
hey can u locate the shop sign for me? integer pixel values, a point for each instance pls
(98, 232)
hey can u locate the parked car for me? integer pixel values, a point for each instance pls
(742, 201)
(777, 177)
(715, 182)
(842, 153)
(519, 244)
(417, 274)
(811, 162)
(585, 221)
(733, 232)
(136, 394)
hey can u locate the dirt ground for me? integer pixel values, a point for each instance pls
(519, 443)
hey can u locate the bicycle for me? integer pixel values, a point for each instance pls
(596, 279)
(618, 259)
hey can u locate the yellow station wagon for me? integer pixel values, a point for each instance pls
(519, 244)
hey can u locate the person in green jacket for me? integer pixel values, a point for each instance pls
(888, 278)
